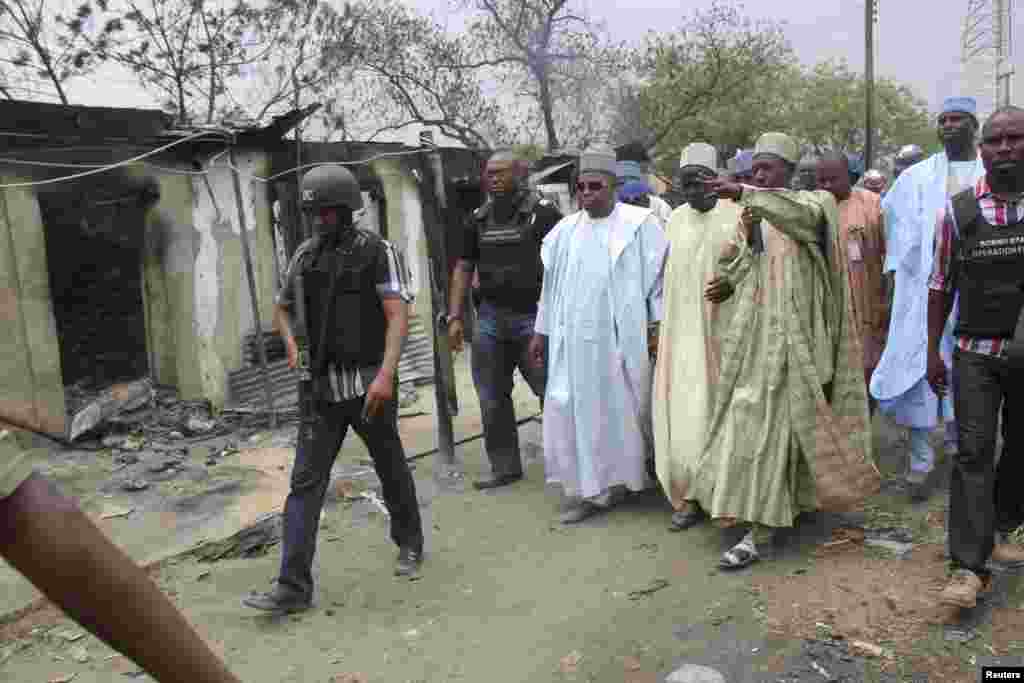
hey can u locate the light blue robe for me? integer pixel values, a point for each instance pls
(602, 287)
(911, 209)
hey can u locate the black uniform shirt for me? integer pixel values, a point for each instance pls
(392, 283)
(544, 217)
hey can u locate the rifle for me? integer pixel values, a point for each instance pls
(307, 381)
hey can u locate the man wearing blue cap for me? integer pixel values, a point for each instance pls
(631, 164)
(911, 205)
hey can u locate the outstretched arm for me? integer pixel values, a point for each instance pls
(49, 539)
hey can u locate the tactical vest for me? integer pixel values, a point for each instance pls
(510, 267)
(990, 275)
(355, 326)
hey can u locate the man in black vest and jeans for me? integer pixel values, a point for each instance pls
(357, 299)
(979, 256)
(502, 242)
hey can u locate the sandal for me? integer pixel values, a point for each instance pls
(684, 519)
(741, 555)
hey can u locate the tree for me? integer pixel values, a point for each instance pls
(313, 43)
(831, 115)
(411, 72)
(37, 59)
(184, 50)
(721, 77)
(549, 52)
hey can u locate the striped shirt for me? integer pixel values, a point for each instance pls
(392, 278)
(999, 213)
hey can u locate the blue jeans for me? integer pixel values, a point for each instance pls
(501, 345)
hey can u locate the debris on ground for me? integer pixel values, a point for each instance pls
(113, 513)
(570, 663)
(252, 541)
(133, 485)
(693, 673)
(109, 403)
(197, 426)
(654, 587)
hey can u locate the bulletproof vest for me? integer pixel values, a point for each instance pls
(355, 324)
(990, 276)
(510, 265)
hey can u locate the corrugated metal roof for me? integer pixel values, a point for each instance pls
(245, 386)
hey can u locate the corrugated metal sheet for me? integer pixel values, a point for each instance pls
(245, 386)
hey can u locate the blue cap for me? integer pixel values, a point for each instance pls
(744, 161)
(633, 190)
(964, 105)
(629, 170)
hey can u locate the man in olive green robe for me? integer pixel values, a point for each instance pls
(790, 418)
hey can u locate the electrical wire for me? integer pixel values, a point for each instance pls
(361, 162)
(94, 169)
(110, 167)
(59, 164)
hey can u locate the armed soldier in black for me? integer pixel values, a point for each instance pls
(502, 242)
(979, 256)
(352, 287)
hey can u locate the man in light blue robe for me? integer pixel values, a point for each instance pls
(911, 206)
(596, 324)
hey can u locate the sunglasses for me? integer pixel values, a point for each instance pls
(592, 186)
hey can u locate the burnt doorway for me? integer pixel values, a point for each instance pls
(94, 243)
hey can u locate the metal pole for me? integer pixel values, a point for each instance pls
(247, 257)
(869, 83)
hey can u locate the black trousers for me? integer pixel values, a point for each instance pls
(311, 476)
(984, 498)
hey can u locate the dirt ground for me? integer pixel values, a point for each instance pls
(508, 595)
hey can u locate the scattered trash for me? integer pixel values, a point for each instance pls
(692, 673)
(63, 679)
(135, 485)
(869, 649)
(71, 636)
(350, 678)
(197, 426)
(203, 576)
(376, 501)
(630, 663)
(117, 399)
(820, 669)
(176, 435)
(656, 585)
(113, 513)
(960, 635)
(167, 465)
(569, 663)
(126, 459)
(412, 633)
(114, 440)
(79, 654)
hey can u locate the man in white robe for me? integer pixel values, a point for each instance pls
(911, 206)
(599, 307)
(689, 347)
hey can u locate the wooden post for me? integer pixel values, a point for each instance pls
(247, 257)
(435, 221)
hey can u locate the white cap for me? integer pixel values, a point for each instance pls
(598, 159)
(699, 154)
(780, 145)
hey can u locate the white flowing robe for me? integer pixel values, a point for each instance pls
(689, 348)
(911, 209)
(602, 287)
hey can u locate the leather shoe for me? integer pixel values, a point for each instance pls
(496, 482)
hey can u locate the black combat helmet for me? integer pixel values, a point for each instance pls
(330, 186)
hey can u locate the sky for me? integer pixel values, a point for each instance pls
(918, 40)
